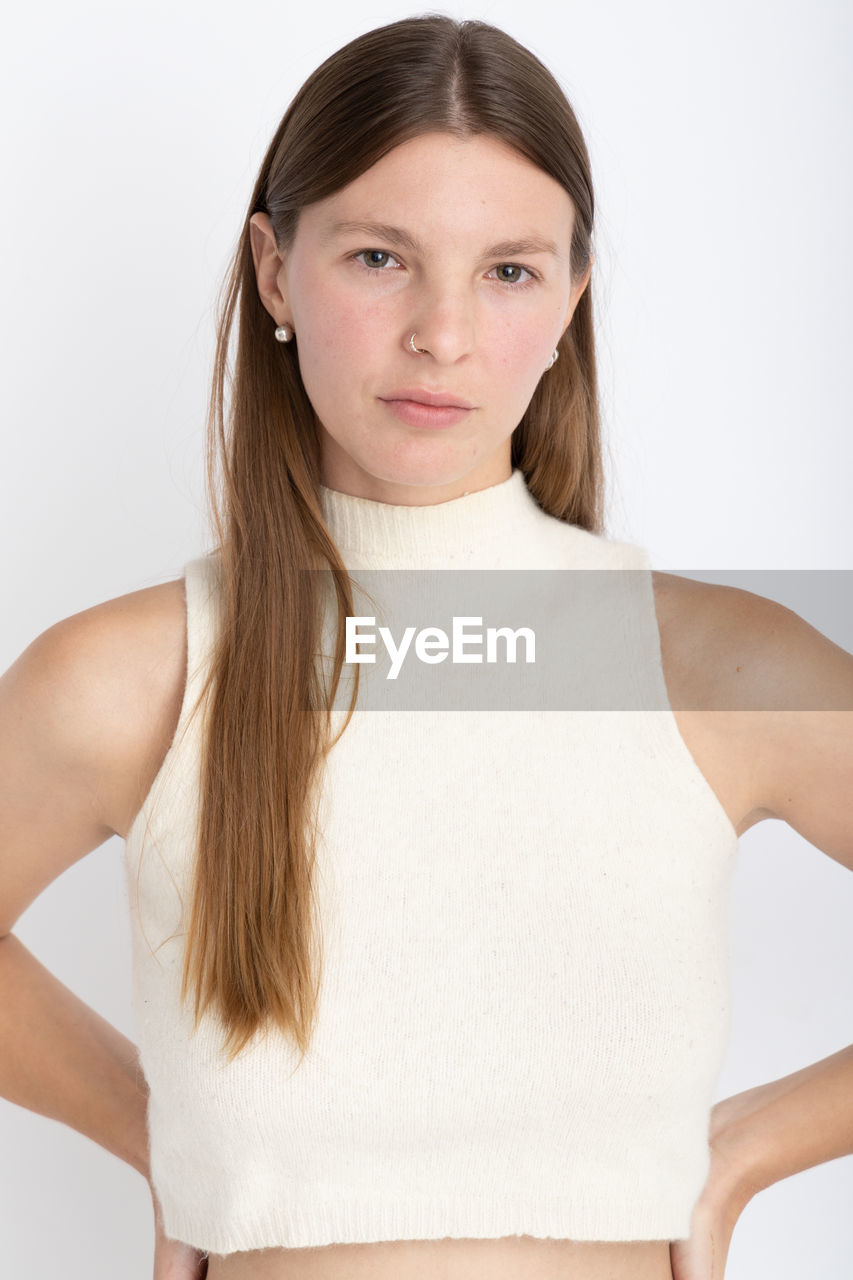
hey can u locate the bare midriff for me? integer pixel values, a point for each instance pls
(506, 1258)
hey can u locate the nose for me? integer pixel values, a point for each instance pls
(444, 320)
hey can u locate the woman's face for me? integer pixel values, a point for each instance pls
(461, 259)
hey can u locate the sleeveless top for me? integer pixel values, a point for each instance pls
(525, 997)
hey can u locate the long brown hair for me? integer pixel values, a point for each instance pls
(251, 952)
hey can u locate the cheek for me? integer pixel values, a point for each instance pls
(330, 347)
(514, 351)
(346, 336)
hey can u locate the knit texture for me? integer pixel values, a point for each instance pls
(525, 1001)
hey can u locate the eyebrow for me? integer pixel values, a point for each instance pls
(397, 235)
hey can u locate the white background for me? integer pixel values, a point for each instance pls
(720, 137)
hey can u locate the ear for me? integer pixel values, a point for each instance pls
(577, 293)
(269, 268)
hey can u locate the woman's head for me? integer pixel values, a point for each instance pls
(461, 240)
(457, 136)
(452, 131)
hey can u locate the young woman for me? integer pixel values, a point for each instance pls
(420, 992)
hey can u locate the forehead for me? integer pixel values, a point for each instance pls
(439, 185)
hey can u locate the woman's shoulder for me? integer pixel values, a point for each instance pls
(87, 713)
(116, 672)
(723, 647)
(734, 652)
(716, 639)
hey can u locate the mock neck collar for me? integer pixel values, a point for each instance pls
(480, 524)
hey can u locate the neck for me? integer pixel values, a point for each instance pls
(341, 474)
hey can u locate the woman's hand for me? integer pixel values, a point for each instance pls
(724, 1197)
(703, 1255)
(174, 1260)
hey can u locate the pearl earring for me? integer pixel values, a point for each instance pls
(554, 357)
(284, 333)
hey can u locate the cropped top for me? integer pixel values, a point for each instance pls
(525, 997)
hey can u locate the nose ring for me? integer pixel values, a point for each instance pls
(417, 350)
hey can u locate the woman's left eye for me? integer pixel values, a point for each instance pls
(516, 284)
(377, 268)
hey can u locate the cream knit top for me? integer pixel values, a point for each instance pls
(525, 997)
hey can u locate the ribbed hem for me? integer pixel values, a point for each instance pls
(587, 1215)
(414, 534)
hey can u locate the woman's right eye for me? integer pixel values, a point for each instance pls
(375, 267)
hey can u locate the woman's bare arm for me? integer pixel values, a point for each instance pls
(777, 1129)
(87, 713)
(62, 1059)
(790, 689)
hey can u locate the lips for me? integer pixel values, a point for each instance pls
(417, 414)
(423, 395)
